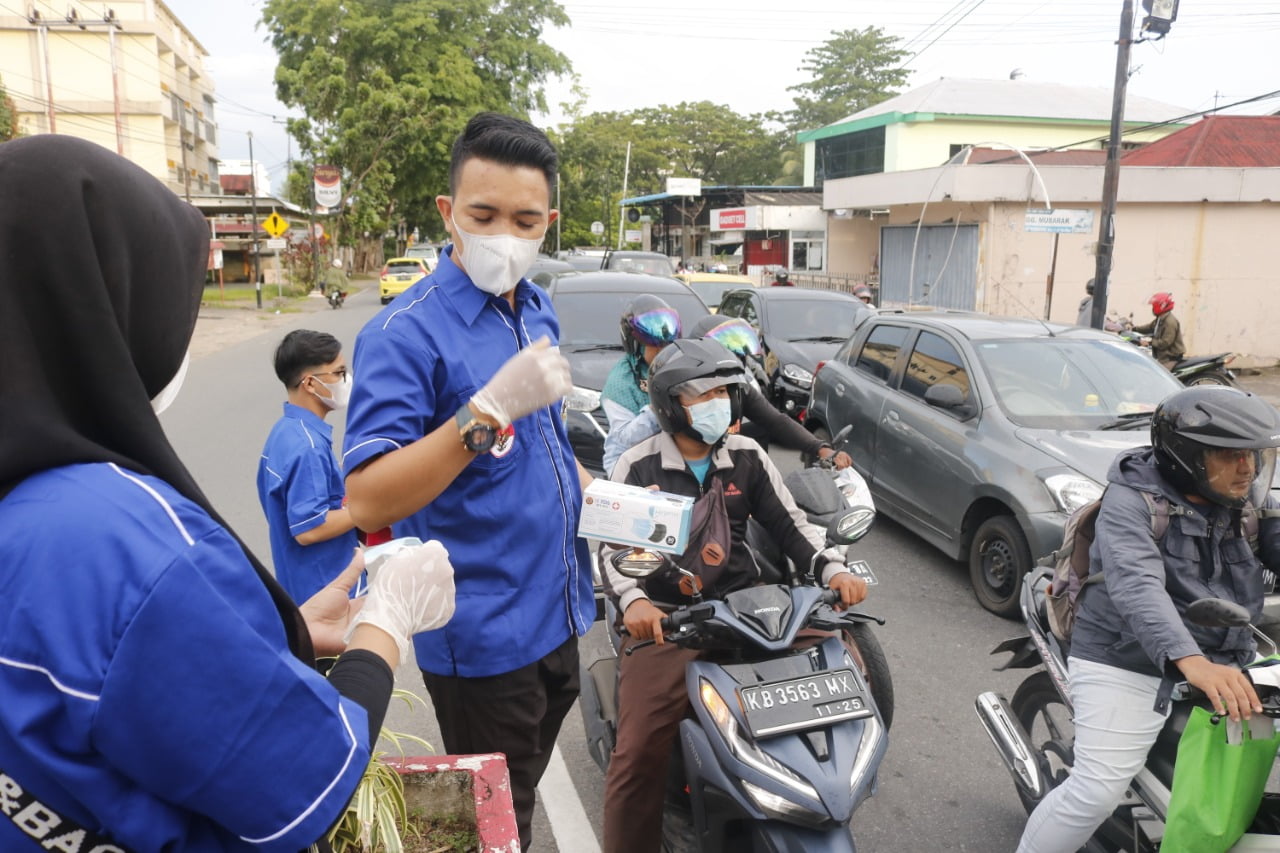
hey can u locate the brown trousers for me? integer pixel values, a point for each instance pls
(652, 701)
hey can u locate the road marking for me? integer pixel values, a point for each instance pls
(569, 823)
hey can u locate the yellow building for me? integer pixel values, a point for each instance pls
(924, 127)
(128, 76)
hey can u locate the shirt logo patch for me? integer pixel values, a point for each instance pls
(732, 491)
(504, 441)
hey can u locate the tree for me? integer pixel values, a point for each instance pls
(8, 116)
(853, 70)
(698, 140)
(386, 85)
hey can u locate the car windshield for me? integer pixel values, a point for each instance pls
(711, 291)
(812, 319)
(401, 269)
(1060, 383)
(652, 266)
(421, 252)
(591, 318)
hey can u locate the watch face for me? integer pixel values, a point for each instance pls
(479, 437)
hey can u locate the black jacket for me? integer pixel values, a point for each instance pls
(752, 487)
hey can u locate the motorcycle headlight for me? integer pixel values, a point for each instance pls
(1072, 491)
(747, 752)
(798, 375)
(582, 400)
(777, 806)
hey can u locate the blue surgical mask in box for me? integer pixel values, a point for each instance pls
(631, 515)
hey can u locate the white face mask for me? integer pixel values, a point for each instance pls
(710, 418)
(169, 393)
(496, 262)
(339, 393)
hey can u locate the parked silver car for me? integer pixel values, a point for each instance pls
(981, 434)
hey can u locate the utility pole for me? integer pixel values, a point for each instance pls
(315, 236)
(253, 205)
(73, 19)
(622, 215)
(1111, 175)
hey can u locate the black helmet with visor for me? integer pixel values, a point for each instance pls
(1217, 442)
(692, 367)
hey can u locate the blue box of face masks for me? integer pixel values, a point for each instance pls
(630, 515)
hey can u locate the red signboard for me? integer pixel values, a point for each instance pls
(730, 220)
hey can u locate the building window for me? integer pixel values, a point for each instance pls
(806, 255)
(860, 153)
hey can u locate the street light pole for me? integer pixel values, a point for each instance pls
(622, 216)
(253, 206)
(1111, 176)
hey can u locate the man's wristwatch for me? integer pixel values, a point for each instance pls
(477, 436)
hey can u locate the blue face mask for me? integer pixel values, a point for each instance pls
(710, 419)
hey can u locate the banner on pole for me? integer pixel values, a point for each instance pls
(328, 186)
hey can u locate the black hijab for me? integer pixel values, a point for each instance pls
(101, 274)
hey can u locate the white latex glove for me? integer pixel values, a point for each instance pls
(410, 589)
(535, 377)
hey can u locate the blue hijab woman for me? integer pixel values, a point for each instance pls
(159, 688)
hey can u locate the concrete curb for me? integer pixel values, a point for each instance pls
(464, 786)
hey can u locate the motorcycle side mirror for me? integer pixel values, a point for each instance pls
(1217, 613)
(851, 526)
(842, 436)
(639, 564)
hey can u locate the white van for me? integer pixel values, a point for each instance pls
(425, 251)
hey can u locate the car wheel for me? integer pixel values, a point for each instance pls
(386, 299)
(999, 558)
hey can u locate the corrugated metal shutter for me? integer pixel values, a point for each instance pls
(946, 275)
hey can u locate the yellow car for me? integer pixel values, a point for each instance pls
(710, 286)
(398, 275)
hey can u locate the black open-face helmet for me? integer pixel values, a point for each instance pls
(648, 321)
(1202, 436)
(692, 367)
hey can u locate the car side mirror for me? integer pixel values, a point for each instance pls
(944, 397)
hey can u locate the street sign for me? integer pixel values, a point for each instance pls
(633, 235)
(684, 186)
(1059, 220)
(597, 228)
(277, 243)
(275, 225)
(318, 230)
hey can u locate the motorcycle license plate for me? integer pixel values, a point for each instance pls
(803, 703)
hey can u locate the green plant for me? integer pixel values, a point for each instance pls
(377, 817)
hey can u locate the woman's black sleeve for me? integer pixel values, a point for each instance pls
(366, 679)
(782, 429)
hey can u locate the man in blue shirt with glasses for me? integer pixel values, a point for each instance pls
(455, 433)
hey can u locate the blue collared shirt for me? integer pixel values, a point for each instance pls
(299, 481)
(145, 682)
(510, 519)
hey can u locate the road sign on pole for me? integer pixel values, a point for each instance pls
(275, 225)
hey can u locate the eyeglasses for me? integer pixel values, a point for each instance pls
(341, 373)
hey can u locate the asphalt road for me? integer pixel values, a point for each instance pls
(941, 785)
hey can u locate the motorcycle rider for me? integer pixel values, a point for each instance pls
(765, 421)
(782, 278)
(648, 325)
(695, 388)
(1165, 331)
(1211, 458)
(1084, 315)
(864, 293)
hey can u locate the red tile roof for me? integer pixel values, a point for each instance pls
(1228, 141)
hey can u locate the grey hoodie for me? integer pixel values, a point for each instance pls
(1133, 620)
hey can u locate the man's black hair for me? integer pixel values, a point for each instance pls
(506, 140)
(302, 350)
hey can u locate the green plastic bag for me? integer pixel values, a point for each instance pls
(1217, 786)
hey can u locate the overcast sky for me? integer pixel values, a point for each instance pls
(745, 53)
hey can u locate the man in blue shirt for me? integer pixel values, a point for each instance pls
(455, 433)
(299, 480)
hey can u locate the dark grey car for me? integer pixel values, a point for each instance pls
(981, 434)
(590, 306)
(799, 327)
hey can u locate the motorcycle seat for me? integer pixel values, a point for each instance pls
(1200, 359)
